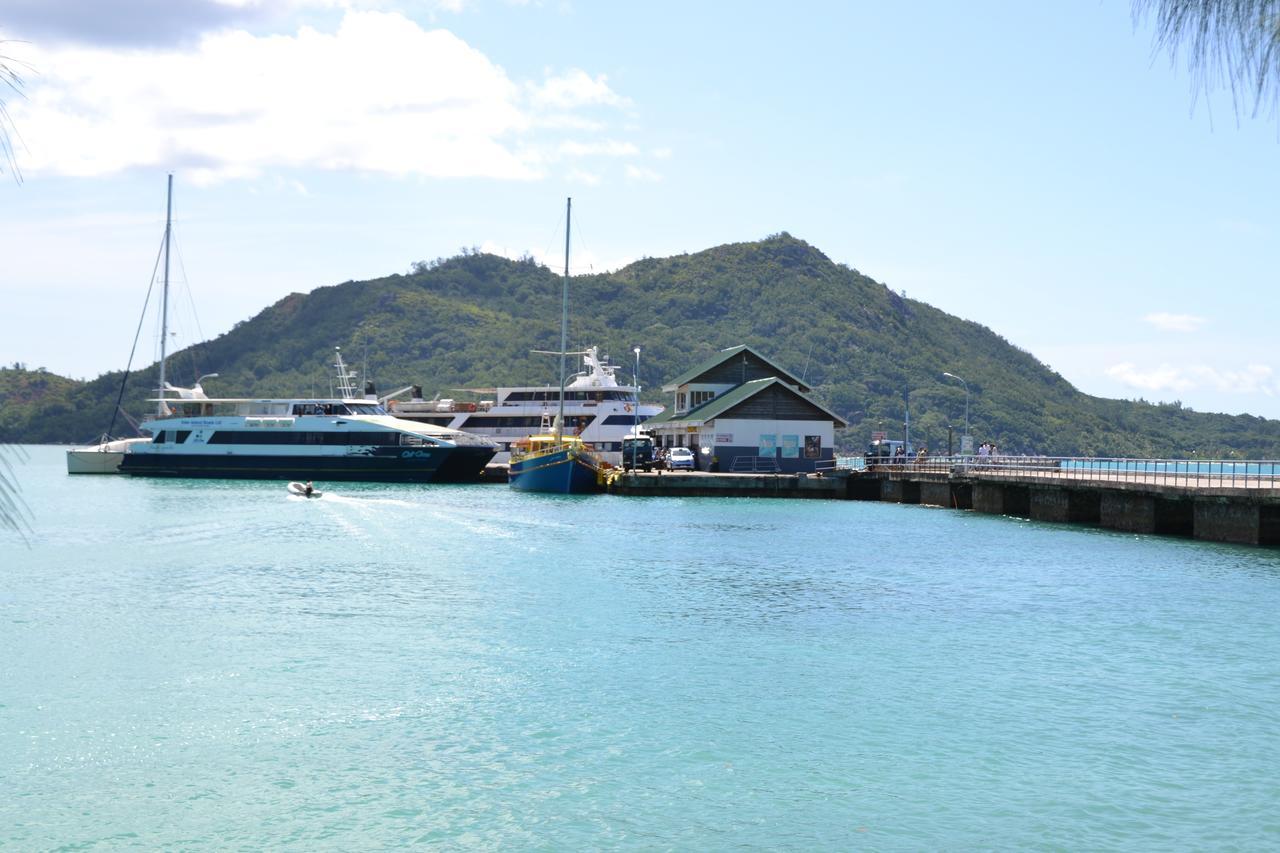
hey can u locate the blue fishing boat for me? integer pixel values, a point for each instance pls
(552, 461)
(547, 463)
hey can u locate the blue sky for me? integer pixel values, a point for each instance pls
(1038, 168)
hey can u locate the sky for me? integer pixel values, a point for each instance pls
(1041, 169)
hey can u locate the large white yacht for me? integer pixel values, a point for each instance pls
(304, 438)
(597, 409)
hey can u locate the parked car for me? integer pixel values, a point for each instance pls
(637, 453)
(680, 457)
(887, 452)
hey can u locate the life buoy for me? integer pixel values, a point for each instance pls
(626, 407)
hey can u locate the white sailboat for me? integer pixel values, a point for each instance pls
(105, 456)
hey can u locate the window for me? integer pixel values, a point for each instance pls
(697, 398)
(346, 439)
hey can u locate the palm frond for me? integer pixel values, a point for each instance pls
(1231, 43)
(14, 514)
(10, 84)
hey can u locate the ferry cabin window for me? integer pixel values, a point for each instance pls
(343, 439)
(550, 396)
(323, 409)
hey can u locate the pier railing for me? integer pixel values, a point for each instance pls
(1187, 473)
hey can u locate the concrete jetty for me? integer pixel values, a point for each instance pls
(1217, 501)
(706, 484)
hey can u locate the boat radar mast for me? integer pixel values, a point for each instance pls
(346, 378)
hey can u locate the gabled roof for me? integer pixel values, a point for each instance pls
(717, 406)
(723, 356)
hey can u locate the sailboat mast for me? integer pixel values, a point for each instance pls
(164, 300)
(564, 317)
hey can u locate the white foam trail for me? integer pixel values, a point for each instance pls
(343, 499)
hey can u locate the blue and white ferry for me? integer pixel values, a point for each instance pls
(304, 438)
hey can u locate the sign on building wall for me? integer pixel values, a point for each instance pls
(768, 445)
(724, 438)
(813, 447)
(790, 447)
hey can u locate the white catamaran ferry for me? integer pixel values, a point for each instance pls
(305, 438)
(597, 410)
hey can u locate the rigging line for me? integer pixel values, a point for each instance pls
(191, 303)
(554, 238)
(583, 249)
(136, 335)
(186, 283)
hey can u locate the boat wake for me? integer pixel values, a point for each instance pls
(344, 499)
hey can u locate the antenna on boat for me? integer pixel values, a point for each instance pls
(346, 378)
(161, 408)
(564, 317)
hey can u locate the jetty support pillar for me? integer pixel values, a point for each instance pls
(1228, 521)
(1002, 499)
(1065, 505)
(1128, 511)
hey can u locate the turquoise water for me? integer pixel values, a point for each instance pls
(220, 665)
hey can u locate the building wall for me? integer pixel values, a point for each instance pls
(730, 438)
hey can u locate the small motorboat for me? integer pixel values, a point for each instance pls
(305, 490)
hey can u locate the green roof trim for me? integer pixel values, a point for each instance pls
(723, 356)
(717, 406)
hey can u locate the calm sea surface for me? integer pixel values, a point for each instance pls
(192, 665)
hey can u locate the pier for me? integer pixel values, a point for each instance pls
(1221, 501)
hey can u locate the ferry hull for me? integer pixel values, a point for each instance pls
(443, 465)
(562, 471)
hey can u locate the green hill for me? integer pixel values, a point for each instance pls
(472, 321)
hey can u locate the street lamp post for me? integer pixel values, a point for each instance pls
(636, 412)
(969, 442)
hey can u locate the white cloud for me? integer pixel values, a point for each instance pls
(380, 94)
(578, 176)
(1174, 322)
(606, 148)
(639, 173)
(1252, 379)
(575, 88)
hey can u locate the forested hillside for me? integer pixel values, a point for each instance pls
(472, 321)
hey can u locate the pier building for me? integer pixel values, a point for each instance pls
(740, 412)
